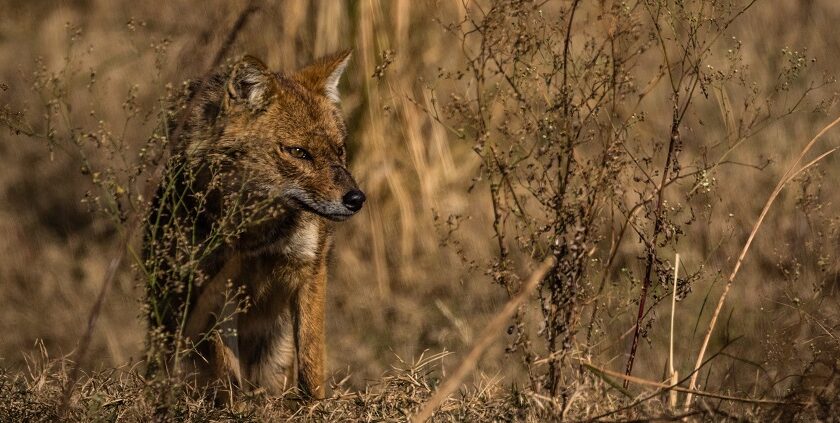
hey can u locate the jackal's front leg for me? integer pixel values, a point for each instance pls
(226, 350)
(309, 334)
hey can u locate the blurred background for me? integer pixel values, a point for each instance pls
(410, 272)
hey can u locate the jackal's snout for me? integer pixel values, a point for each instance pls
(353, 200)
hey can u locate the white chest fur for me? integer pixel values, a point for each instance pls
(303, 242)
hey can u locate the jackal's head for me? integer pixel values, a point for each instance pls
(287, 133)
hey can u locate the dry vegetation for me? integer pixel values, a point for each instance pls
(489, 135)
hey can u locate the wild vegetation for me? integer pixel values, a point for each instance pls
(594, 141)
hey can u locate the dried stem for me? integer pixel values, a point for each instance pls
(488, 335)
(672, 401)
(657, 229)
(673, 141)
(675, 387)
(787, 177)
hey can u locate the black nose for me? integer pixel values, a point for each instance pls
(353, 200)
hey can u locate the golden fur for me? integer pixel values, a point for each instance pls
(278, 139)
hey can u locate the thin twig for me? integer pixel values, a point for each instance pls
(136, 222)
(644, 398)
(674, 387)
(657, 229)
(217, 60)
(673, 141)
(488, 335)
(662, 418)
(672, 399)
(787, 177)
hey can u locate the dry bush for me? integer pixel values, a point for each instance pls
(564, 104)
(487, 135)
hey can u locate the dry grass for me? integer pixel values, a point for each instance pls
(414, 272)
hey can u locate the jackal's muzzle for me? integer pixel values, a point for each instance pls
(350, 203)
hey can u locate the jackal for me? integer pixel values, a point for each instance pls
(237, 241)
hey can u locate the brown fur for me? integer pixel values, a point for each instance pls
(250, 121)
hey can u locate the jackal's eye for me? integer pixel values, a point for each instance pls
(298, 153)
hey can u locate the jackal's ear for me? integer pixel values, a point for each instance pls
(322, 75)
(251, 83)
